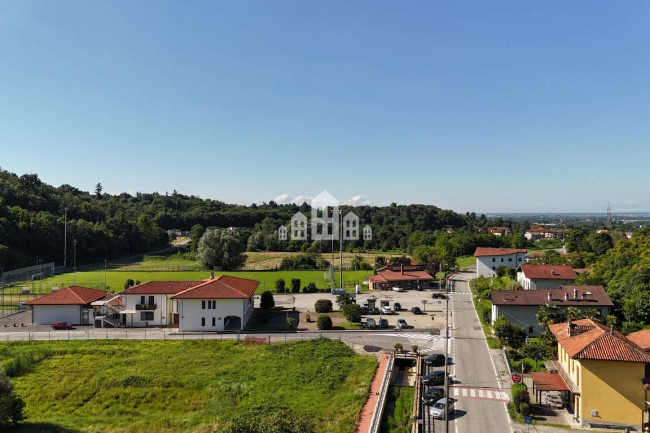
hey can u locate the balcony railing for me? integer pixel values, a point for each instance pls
(575, 389)
(146, 307)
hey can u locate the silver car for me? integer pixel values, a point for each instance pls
(437, 411)
(401, 324)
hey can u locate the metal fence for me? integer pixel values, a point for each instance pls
(31, 273)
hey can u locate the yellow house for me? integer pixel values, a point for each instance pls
(607, 374)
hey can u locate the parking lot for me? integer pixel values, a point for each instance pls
(432, 310)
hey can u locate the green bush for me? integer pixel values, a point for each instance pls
(310, 288)
(529, 365)
(519, 394)
(128, 283)
(266, 300)
(295, 285)
(324, 322)
(352, 312)
(524, 409)
(398, 347)
(323, 306)
(11, 405)
(515, 416)
(280, 285)
(277, 421)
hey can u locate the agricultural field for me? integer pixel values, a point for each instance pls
(466, 262)
(271, 260)
(184, 386)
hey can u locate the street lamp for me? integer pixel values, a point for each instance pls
(74, 263)
(65, 238)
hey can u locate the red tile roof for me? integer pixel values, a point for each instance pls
(595, 296)
(160, 287)
(73, 295)
(545, 381)
(387, 276)
(589, 339)
(221, 287)
(498, 229)
(548, 272)
(641, 339)
(483, 251)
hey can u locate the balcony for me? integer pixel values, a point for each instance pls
(145, 307)
(575, 389)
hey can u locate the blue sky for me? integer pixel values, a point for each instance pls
(500, 106)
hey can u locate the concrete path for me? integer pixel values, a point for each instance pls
(368, 410)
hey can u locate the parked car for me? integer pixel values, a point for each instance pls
(441, 406)
(416, 310)
(436, 360)
(383, 323)
(439, 296)
(370, 323)
(339, 291)
(61, 325)
(434, 378)
(432, 395)
(386, 310)
(397, 306)
(397, 289)
(401, 324)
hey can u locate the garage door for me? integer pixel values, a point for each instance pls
(48, 314)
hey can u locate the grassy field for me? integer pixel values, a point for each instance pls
(272, 260)
(184, 386)
(466, 262)
(115, 279)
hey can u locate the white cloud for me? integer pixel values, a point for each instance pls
(358, 200)
(282, 199)
(303, 199)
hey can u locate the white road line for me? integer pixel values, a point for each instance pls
(472, 392)
(489, 394)
(464, 392)
(481, 394)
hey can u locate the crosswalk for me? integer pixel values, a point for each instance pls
(481, 393)
(427, 337)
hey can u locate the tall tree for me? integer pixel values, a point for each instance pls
(221, 248)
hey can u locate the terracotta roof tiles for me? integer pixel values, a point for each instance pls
(548, 272)
(221, 287)
(73, 295)
(483, 251)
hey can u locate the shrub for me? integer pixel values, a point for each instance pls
(344, 299)
(414, 348)
(324, 322)
(398, 347)
(292, 323)
(295, 285)
(323, 306)
(514, 415)
(352, 312)
(529, 365)
(128, 283)
(280, 285)
(524, 409)
(310, 288)
(11, 405)
(268, 420)
(507, 332)
(519, 394)
(266, 300)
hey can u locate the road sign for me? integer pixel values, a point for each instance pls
(528, 419)
(516, 378)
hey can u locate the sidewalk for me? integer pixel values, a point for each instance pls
(368, 410)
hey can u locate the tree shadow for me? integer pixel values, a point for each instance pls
(40, 427)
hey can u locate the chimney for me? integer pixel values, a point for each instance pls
(549, 297)
(402, 269)
(566, 296)
(584, 296)
(212, 275)
(552, 271)
(575, 293)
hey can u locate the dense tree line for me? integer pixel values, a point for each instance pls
(107, 226)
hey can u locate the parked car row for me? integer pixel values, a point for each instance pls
(372, 323)
(434, 394)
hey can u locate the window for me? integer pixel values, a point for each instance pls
(142, 299)
(494, 259)
(494, 268)
(520, 259)
(510, 259)
(202, 321)
(151, 301)
(647, 371)
(146, 316)
(530, 329)
(202, 305)
(501, 259)
(214, 321)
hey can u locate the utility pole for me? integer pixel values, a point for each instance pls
(340, 217)
(446, 353)
(65, 238)
(74, 263)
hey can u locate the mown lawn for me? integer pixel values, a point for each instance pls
(115, 279)
(184, 386)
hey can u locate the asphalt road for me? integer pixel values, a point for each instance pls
(480, 406)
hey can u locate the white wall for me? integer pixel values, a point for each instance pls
(161, 315)
(485, 264)
(541, 283)
(48, 314)
(191, 313)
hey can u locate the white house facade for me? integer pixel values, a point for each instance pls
(224, 303)
(151, 303)
(72, 305)
(489, 259)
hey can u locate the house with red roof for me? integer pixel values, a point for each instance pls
(412, 276)
(223, 303)
(538, 277)
(606, 375)
(521, 306)
(72, 305)
(489, 259)
(498, 231)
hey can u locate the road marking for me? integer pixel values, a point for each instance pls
(473, 392)
(415, 336)
(480, 393)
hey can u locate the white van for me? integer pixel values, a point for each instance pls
(338, 291)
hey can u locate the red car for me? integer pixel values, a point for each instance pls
(61, 325)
